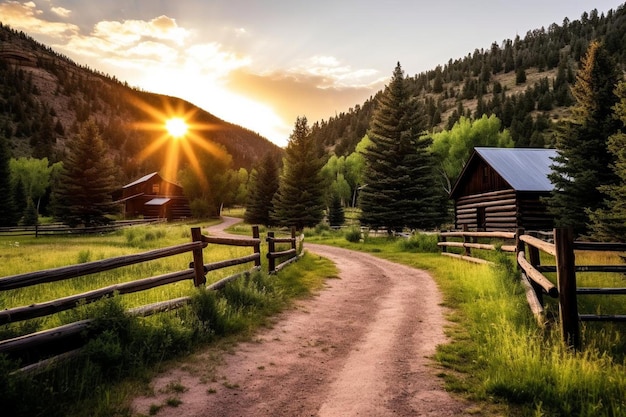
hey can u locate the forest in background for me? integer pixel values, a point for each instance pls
(517, 93)
(525, 82)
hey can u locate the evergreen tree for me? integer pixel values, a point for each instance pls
(8, 215)
(609, 223)
(583, 161)
(336, 214)
(399, 180)
(299, 199)
(87, 180)
(264, 185)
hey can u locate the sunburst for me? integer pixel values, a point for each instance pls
(177, 131)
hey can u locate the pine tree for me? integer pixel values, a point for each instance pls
(264, 186)
(583, 161)
(83, 194)
(336, 214)
(299, 199)
(400, 186)
(8, 215)
(609, 223)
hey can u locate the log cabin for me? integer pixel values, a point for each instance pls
(503, 189)
(151, 196)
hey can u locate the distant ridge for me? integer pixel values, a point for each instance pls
(44, 95)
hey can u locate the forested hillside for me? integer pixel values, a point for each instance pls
(525, 82)
(44, 96)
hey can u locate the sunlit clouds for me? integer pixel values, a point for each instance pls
(263, 64)
(219, 74)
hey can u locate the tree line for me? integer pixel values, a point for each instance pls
(399, 175)
(477, 84)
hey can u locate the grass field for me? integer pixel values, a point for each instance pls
(125, 349)
(497, 355)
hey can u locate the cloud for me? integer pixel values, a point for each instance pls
(322, 94)
(27, 16)
(60, 11)
(127, 32)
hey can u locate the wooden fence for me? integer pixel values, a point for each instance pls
(62, 229)
(197, 272)
(562, 247)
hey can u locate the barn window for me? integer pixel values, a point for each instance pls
(155, 188)
(485, 175)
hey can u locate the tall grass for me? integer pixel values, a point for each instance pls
(122, 348)
(498, 355)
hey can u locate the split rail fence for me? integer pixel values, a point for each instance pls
(528, 249)
(196, 272)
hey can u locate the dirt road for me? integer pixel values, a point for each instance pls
(360, 347)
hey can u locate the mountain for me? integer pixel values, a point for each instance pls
(45, 95)
(525, 82)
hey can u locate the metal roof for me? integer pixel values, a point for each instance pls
(140, 180)
(158, 201)
(525, 169)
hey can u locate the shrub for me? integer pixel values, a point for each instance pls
(420, 242)
(353, 235)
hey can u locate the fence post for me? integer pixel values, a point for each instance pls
(533, 255)
(293, 237)
(198, 261)
(566, 280)
(466, 239)
(271, 248)
(442, 239)
(257, 246)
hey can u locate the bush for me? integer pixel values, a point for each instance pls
(420, 243)
(353, 235)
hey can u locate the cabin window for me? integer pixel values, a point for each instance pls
(485, 175)
(155, 188)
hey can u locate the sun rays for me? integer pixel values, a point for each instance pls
(178, 135)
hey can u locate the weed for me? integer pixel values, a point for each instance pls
(173, 402)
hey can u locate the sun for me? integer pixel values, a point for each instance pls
(178, 133)
(177, 127)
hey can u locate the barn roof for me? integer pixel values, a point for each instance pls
(140, 180)
(524, 169)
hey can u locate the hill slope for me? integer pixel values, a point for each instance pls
(524, 82)
(44, 95)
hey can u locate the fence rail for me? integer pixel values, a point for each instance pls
(562, 247)
(197, 272)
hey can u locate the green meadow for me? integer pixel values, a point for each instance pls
(497, 355)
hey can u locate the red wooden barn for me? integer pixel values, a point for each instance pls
(153, 197)
(503, 189)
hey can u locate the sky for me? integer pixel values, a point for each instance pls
(263, 63)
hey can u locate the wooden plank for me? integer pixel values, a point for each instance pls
(536, 276)
(509, 207)
(490, 204)
(66, 272)
(594, 317)
(66, 303)
(502, 235)
(274, 255)
(467, 258)
(601, 268)
(601, 291)
(490, 196)
(533, 302)
(230, 241)
(539, 244)
(33, 340)
(600, 246)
